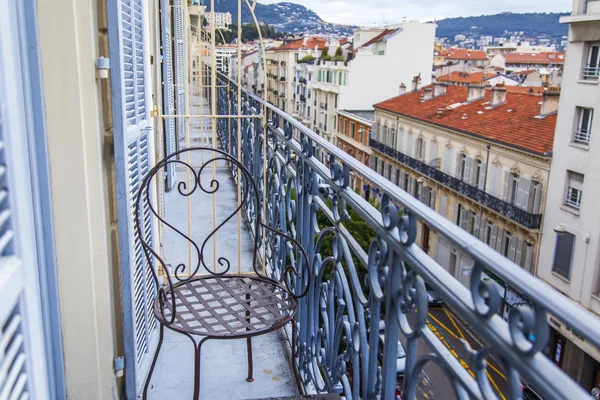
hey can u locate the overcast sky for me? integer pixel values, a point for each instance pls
(367, 12)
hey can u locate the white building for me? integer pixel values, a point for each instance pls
(570, 252)
(252, 71)
(223, 53)
(383, 60)
(222, 20)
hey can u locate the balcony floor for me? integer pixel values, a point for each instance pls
(224, 362)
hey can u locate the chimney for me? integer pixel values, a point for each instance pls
(416, 83)
(476, 92)
(498, 96)
(550, 100)
(428, 95)
(439, 89)
(402, 90)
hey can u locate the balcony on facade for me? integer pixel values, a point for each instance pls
(510, 211)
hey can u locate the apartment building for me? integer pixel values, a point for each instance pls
(476, 58)
(375, 72)
(281, 62)
(478, 156)
(223, 54)
(570, 255)
(252, 71)
(222, 19)
(523, 61)
(353, 132)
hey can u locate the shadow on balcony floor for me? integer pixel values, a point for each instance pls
(224, 362)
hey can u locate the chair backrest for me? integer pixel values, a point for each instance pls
(202, 179)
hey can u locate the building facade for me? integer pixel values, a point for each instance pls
(281, 70)
(354, 132)
(222, 19)
(375, 72)
(570, 255)
(462, 151)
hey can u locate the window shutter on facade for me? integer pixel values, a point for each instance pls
(409, 145)
(477, 227)
(432, 198)
(494, 183)
(447, 161)
(458, 169)
(499, 240)
(400, 144)
(393, 177)
(512, 248)
(444, 206)
(402, 179)
(528, 257)
(23, 373)
(506, 185)
(133, 160)
(433, 151)
(493, 237)
(482, 176)
(537, 197)
(519, 253)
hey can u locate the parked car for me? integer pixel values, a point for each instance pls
(433, 297)
(400, 356)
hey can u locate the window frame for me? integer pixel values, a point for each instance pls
(581, 135)
(565, 273)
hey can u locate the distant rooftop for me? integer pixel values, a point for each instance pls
(367, 115)
(515, 123)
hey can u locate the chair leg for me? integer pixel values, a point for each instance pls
(250, 377)
(197, 362)
(149, 377)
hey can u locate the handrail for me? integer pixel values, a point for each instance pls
(291, 164)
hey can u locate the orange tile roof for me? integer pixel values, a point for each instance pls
(311, 43)
(535, 58)
(463, 54)
(343, 41)
(465, 77)
(379, 37)
(513, 123)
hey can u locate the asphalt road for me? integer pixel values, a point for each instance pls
(434, 384)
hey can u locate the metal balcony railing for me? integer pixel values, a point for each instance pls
(582, 136)
(591, 72)
(366, 294)
(521, 217)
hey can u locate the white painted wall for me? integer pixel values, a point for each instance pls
(374, 78)
(584, 283)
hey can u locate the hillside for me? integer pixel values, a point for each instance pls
(286, 17)
(533, 25)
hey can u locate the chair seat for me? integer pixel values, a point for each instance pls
(232, 306)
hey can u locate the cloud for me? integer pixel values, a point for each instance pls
(368, 12)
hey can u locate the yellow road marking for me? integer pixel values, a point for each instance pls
(494, 384)
(443, 326)
(454, 323)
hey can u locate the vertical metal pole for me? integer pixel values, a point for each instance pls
(239, 136)
(184, 12)
(213, 90)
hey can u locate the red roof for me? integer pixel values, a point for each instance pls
(343, 41)
(465, 77)
(380, 37)
(513, 123)
(463, 54)
(534, 58)
(311, 43)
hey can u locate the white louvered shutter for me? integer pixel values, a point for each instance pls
(22, 357)
(512, 248)
(477, 227)
(519, 253)
(409, 145)
(506, 186)
(525, 200)
(537, 198)
(444, 206)
(433, 151)
(168, 90)
(133, 160)
(499, 240)
(528, 257)
(400, 144)
(495, 181)
(458, 169)
(482, 176)
(178, 19)
(448, 161)
(432, 198)
(493, 236)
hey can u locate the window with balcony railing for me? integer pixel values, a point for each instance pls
(583, 128)
(591, 70)
(574, 190)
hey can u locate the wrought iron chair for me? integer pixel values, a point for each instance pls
(218, 305)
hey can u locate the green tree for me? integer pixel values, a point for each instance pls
(325, 54)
